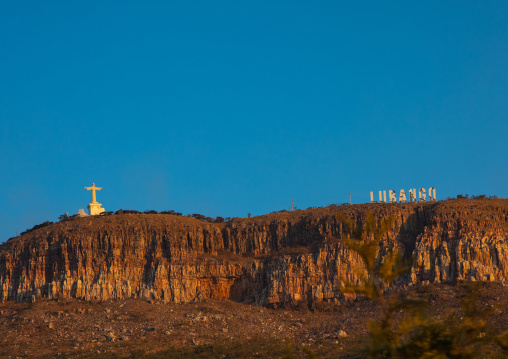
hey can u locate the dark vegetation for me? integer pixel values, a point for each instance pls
(37, 226)
(481, 196)
(309, 332)
(174, 213)
(127, 211)
(257, 348)
(66, 217)
(209, 219)
(407, 329)
(218, 219)
(407, 325)
(171, 212)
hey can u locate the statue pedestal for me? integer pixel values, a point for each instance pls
(95, 208)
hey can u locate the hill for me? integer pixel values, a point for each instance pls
(165, 286)
(273, 260)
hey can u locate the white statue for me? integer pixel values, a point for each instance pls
(94, 207)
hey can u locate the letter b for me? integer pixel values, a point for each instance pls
(392, 193)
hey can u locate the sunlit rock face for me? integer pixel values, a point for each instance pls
(276, 259)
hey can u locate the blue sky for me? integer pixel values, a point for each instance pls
(230, 107)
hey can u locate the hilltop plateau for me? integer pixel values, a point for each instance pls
(103, 283)
(275, 259)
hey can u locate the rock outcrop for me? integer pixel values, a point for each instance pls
(274, 259)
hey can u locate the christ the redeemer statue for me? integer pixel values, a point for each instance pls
(94, 207)
(93, 189)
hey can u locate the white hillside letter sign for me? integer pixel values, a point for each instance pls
(422, 195)
(412, 195)
(402, 196)
(410, 198)
(432, 194)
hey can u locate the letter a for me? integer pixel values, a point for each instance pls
(391, 193)
(422, 195)
(402, 196)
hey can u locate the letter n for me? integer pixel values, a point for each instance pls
(412, 195)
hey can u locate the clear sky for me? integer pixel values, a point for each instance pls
(228, 107)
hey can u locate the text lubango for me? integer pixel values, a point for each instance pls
(411, 196)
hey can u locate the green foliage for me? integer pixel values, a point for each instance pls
(416, 334)
(64, 217)
(37, 226)
(288, 351)
(407, 329)
(171, 212)
(126, 211)
(365, 242)
(200, 217)
(257, 348)
(310, 353)
(204, 218)
(481, 196)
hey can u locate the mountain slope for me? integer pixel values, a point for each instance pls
(273, 259)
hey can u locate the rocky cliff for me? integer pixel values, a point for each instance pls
(267, 260)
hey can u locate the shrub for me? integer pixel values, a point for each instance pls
(37, 226)
(416, 334)
(481, 196)
(64, 217)
(198, 216)
(126, 211)
(171, 212)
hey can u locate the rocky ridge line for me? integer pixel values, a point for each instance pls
(276, 259)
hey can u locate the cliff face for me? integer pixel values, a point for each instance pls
(267, 260)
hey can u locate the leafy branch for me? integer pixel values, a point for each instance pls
(407, 330)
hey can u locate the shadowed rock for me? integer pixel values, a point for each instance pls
(273, 259)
